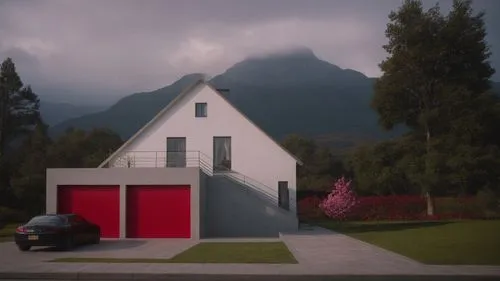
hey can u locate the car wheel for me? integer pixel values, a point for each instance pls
(23, 248)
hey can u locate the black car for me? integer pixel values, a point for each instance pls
(62, 231)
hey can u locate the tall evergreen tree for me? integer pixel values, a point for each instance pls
(19, 106)
(436, 65)
(19, 112)
(28, 181)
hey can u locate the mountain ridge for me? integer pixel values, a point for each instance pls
(292, 93)
(56, 112)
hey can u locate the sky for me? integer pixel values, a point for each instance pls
(97, 50)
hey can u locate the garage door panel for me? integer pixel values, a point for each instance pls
(158, 212)
(98, 204)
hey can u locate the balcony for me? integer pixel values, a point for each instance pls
(167, 159)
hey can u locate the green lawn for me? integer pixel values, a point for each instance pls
(459, 242)
(7, 232)
(269, 252)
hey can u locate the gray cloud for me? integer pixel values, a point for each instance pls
(117, 47)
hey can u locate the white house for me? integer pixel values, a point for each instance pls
(226, 176)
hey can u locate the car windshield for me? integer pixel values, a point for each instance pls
(46, 220)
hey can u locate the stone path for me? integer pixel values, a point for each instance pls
(327, 252)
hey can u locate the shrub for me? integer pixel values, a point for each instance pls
(389, 208)
(488, 203)
(8, 215)
(457, 207)
(308, 208)
(407, 207)
(341, 200)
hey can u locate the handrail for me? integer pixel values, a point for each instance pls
(262, 189)
(158, 159)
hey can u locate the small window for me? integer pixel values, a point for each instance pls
(201, 109)
(283, 195)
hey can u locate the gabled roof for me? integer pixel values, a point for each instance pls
(185, 92)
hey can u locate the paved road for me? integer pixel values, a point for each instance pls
(292, 278)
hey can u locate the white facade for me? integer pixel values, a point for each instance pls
(253, 153)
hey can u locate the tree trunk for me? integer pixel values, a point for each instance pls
(3, 116)
(427, 188)
(430, 204)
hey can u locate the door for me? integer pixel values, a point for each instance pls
(222, 154)
(283, 195)
(97, 204)
(176, 152)
(159, 211)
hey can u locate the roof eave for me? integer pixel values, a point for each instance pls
(152, 121)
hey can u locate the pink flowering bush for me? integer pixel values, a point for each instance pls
(341, 200)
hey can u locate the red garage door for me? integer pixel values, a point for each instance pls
(98, 204)
(158, 211)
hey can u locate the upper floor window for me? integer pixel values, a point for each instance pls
(201, 109)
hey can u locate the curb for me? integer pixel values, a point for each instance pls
(224, 277)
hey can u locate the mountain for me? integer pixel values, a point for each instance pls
(284, 93)
(130, 113)
(54, 113)
(297, 68)
(300, 93)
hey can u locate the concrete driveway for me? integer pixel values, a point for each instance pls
(161, 248)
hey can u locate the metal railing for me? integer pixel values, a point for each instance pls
(159, 159)
(255, 187)
(156, 159)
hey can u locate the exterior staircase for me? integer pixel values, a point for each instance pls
(231, 203)
(156, 159)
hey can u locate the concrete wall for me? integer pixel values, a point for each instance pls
(203, 203)
(124, 177)
(254, 154)
(234, 210)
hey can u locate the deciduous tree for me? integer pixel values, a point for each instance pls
(320, 167)
(81, 149)
(436, 66)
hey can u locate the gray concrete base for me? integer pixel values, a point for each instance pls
(124, 177)
(234, 209)
(221, 206)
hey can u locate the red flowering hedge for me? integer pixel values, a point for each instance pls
(401, 207)
(308, 207)
(389, 208)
